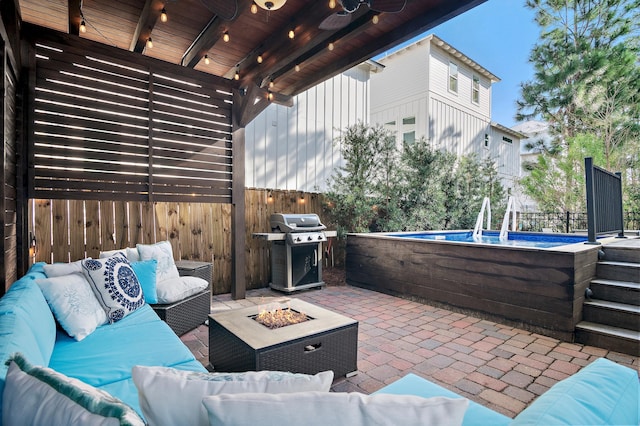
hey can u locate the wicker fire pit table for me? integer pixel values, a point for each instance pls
(325, 341)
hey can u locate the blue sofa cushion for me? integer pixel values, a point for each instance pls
(26, 324)
(476, 414)
(108, 354)
(602, 393)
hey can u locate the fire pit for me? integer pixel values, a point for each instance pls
(324, 341)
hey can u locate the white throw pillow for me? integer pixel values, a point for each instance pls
(42, 396)
(73, 303)
(115, 285)
(175, 289)
(170, 397)
(163, 253)
(333, 408)
(131, 253)
(60, 269)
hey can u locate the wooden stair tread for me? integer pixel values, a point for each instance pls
(631, 285)
(613, 306)
(609, 330)
(616, 263)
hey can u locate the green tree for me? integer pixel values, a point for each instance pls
(586, 86)
(364, 182)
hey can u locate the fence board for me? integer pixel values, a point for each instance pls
(121, 225)
(107, 229)
(41, 218)
(92, 223)
(60, 247)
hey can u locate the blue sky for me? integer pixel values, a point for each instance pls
(498, 35)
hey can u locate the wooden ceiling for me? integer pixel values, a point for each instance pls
(193, 30)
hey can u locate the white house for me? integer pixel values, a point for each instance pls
(292, 148)
(431, 90)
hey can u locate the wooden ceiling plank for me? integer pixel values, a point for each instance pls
(148, 18)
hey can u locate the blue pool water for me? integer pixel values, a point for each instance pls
(518, 239)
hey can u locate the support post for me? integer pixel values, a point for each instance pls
(238, 228)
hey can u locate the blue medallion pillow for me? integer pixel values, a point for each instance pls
(115, 285)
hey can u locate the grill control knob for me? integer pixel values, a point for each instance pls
(310, 238)
(320, 237)
(298, 239)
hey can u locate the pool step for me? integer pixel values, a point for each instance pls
(612, 338)
(616, 291)
(614, 314)
(623, 251)
(619, 271)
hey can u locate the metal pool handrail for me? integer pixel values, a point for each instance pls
(477, 230)
(504, 231)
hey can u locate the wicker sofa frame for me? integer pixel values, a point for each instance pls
(187, 314)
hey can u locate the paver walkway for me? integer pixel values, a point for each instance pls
(498, 366)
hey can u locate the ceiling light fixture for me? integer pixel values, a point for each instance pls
(163, 15)
(254, 8)
(270, 4)
(270, 95)
(207, 61)
(332, 4)
(271, 84)
(237, 74)
(330, 46)
(225, 36)
(297, 68)
(292, 34)
(375, 19)
(149, 43)
(83, 27)
(259, 59)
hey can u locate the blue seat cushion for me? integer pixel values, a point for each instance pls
(108, 354)
(476, 414)
(602, 393)
(126, 390)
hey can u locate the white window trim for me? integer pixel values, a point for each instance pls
(453, 77)
(475, 89)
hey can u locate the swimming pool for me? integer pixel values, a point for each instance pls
(533, 281)
(519, 239)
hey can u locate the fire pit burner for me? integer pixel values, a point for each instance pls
(280, 317)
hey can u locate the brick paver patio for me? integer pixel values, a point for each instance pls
(498, 366)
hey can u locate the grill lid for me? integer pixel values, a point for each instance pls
(284, 222)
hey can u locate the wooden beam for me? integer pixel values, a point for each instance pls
(148, 18)
(209, 36)
(421, 23)
(283, 51)
(238, 231)
(75, 16)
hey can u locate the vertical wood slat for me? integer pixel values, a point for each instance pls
(196, 231)
(107, 226)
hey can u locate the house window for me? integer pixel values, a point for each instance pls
(409, 130)
(453, 77)
(475, 90)
(486, 140)
(507, 140)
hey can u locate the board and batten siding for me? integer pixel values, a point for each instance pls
(439, 70)
(292, 148)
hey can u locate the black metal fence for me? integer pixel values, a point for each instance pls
(568, 222)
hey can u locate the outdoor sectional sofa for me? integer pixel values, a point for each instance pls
(601, 393)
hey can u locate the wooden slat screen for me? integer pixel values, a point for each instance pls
(106, 127)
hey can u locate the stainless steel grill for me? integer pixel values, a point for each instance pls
(296, 251)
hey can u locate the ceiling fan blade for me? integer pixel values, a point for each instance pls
(335, 21)
(226, 10)
(389, 6)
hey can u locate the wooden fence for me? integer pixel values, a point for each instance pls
(68, 230)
